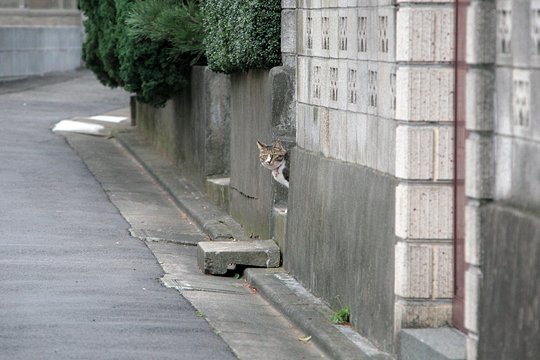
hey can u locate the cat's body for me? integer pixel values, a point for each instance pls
(274, 157)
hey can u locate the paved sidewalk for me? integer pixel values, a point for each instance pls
(248, 324)
(73, 283)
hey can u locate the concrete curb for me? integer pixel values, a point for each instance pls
(302, 308)
(311, 315)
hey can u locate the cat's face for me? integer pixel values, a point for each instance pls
(271, 156)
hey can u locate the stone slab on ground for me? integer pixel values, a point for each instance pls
(215, 257)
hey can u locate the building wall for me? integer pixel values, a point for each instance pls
(37, 37)
(374, 123)
(502, 180)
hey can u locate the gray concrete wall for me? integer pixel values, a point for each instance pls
(502, 300)
(35, 42)
(261, 104)
(193, 129)
(340, 239)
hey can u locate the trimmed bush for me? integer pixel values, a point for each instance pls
(146, 67)
(144, 46)
(242, 34)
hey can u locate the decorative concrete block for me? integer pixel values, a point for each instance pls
(288, 31)
(347, 33)
(444, 154)
(333, 85)
(422, 314)
(504, 32)
(372, 88)
(386, 39)
(521, 103)
(414, 152)
(386, 150)
(363, 33)
(424, 211)
(413, 274)
(318, 87)
(478, 167)
(481, 32)
(480, 87)
(425, 34)
(443, 272)
(472, 289)
(386, 77)
(353, 87)
(425, 94)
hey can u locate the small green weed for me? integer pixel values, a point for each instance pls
(342, 316)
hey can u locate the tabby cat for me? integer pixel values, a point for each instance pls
(275, 158)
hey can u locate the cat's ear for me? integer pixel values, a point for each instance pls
(277, 144)
(260, 145)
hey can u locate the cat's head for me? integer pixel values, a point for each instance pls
(271, 156)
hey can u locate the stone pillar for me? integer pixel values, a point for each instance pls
(424, 163)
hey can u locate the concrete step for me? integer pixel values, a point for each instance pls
(217, 190)
(215, 257)
(432, 344)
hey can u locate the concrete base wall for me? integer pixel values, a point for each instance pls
(36, 42)
(509, 303)
(193, 129)
(340, 239)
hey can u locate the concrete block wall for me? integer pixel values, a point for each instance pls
(373, 100)
(424, 272)
(38, 40)
(502, 185)
(193, 130)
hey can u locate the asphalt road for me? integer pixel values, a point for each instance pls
(73, 283)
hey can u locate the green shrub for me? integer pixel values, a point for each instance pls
(242, 34)
(145, 46)
(99, 48)
(178, 23)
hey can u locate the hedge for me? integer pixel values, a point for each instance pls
(242, 34)
(120, 51)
